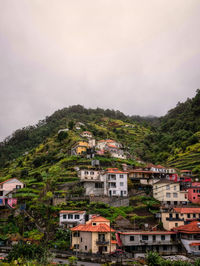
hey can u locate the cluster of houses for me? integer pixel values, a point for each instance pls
(180, 217)
(177, 191)
(89, 146)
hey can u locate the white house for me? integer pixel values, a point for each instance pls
(112, 182)
(117, 182)
(70, 218)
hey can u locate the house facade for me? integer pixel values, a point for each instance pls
(189, 235)
(80, 148)
(94, 182)
(117, 182)
(112, 182)
(86, 134)
(163, 242)
(70, 218)
(10, 185)
(94, 236)
(175, 217)
(194, 193)
(169, 192)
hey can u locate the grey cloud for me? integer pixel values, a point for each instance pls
(140, 57)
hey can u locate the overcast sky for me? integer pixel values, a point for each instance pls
(137, 56)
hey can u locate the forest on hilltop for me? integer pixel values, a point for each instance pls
(173, 139)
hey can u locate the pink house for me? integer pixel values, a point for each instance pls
(9, 185)
(194, 192)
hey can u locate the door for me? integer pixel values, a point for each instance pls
(121, 193)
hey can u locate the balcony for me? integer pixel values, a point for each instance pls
(174, 219)
(102, 242)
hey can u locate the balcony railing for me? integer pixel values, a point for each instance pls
(102, 242)
(174, 219)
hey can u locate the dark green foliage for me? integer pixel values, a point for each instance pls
(62, 135)
(27, 251)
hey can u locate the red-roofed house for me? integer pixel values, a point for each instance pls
(111, 146)
(94, 236)
(189, 235)
(175, 217)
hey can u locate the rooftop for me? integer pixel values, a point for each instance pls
(72, 212)
(187, 210)
(148, 233)
(191, 228)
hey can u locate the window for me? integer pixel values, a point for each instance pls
(168, 195)
(77, 216)
(121, 176)
(121, 184)
(64, 216)
(167, 187)
(162, 237)
(194, 215)
(76, 234)
(70, 216)
(194, 190)
(114, 191)
(1, 186)
(18, 186)
(94, 224)
(175, 195)
(176, 224)
(104, 248)
(76, 246)
(188, 216)
(92, 173)
(81, 239)
(85, 247)
(174, 187)
(131, 238)
(1, 193)
(164, 247)
(124, 191)
(194, 197)
(145, 237)
(98, 185)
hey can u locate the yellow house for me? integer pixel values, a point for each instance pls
(179, 216)
(169, 192)
(80, 147)
(95, 236)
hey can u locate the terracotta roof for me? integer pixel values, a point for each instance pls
(115, 171)
(187, 210)
(148, 233)
(113, 241)
(66, 211)
(112, 146)
(184, 171)
(191, 228)
(160, 166)
(99, 219)
(93, 228)
(195, 244)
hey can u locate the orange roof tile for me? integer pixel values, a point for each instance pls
(194, 244)
(191, 228)
(113, 241)
(99, 219)
(187, 210)
(93, 228)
